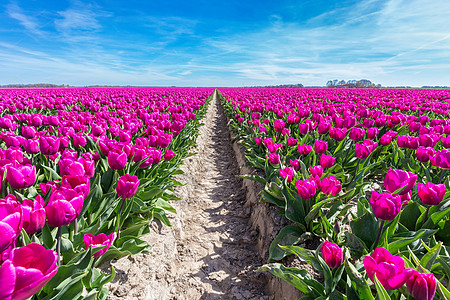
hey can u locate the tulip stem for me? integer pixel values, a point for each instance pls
(93, 268)
(118, 218)
(58, 244)
(357, 167)
(380, 231)
(442, 176)
(426, 214)
(75, 226)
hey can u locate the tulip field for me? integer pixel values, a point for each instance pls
(84, 172)
(361, 171)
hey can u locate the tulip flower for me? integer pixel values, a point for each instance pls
(274, 158)
(327, 161)
(26, 271)
(258, 140)
(356, 133)
(324, 126)
(385, 205)
(390, 270)
(11, 222)
(278, 124)
(169, 155)
(306, 189)
(291, 142)
(70, 166)
(372, 133)
(79, 140)
(332, 254)
(424, 154)
(304, 149)
(49, 145)
(31, 146)
(63, 207)
(21, 176)
(320, 146)
(127, 186)
(430, 193)
(33, 214)
(99, 240)
(316, 170)
(396, 179)
(117, 159)
(338, 134)
(295, 164)
(422, 286)
(287, 173)
(442, 159)
(330, 185)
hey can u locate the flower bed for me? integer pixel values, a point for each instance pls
(325, 154)
(84, 172)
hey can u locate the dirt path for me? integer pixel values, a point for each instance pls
(209, 253)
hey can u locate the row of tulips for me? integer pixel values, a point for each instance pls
(83, 172)
(326, 155)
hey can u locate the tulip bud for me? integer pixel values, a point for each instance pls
(33, 214)
(396, 179)
(295, 164)
(21, 176)
(330, 186)
(332, 254)
(320, 146)
(316, 170)
(169, 155)
(430, 193)
(287, 173)
(327, 161)
(304, 149)
(117, 159)
(385, 206)
(356, 133)
(306, 189)
(49, 145)
(127, 186)
(274, 158)
(422, 286)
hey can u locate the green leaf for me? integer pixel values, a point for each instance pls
(430, 257)
(54, 175)
(48, 237)
(300, 279)
(401, 240)
(365, 227)
(256, 178)
(442, 210)
(381, 291)
(160, 214)
(287, 236)
(442, 291)
(358, 282)
(295, 206)
(410, 214)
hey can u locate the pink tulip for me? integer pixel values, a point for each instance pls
(278, 124)
(11, 221)
(48, 144)
(306, 189)
(127, 186)
(338, 134)
(430, 193)
(304, 149)
(385, 206)
(26, 271)
(287, 173)
(169, 155)
(117, 159)
(295, 164)
(390, 270)
(330, 185)
(327, 161)
(274, 158)
(79, 140)
(33, 214)
(356, 133)
(422, 286)
(424, 154)
(316, 170)
(99, 240)
(21, 176)
(332, 254)
(63, 207)
(442, 159)
(320, 146)
(396, 179)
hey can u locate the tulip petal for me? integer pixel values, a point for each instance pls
(7, 280)
(399, 280)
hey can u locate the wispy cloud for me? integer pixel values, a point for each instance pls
(27, 21)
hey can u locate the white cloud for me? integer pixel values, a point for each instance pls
(27, 21)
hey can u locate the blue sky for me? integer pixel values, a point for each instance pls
(224, 43)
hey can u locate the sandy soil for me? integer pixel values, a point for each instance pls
(210, 252)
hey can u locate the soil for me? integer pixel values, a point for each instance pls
(211, 251)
